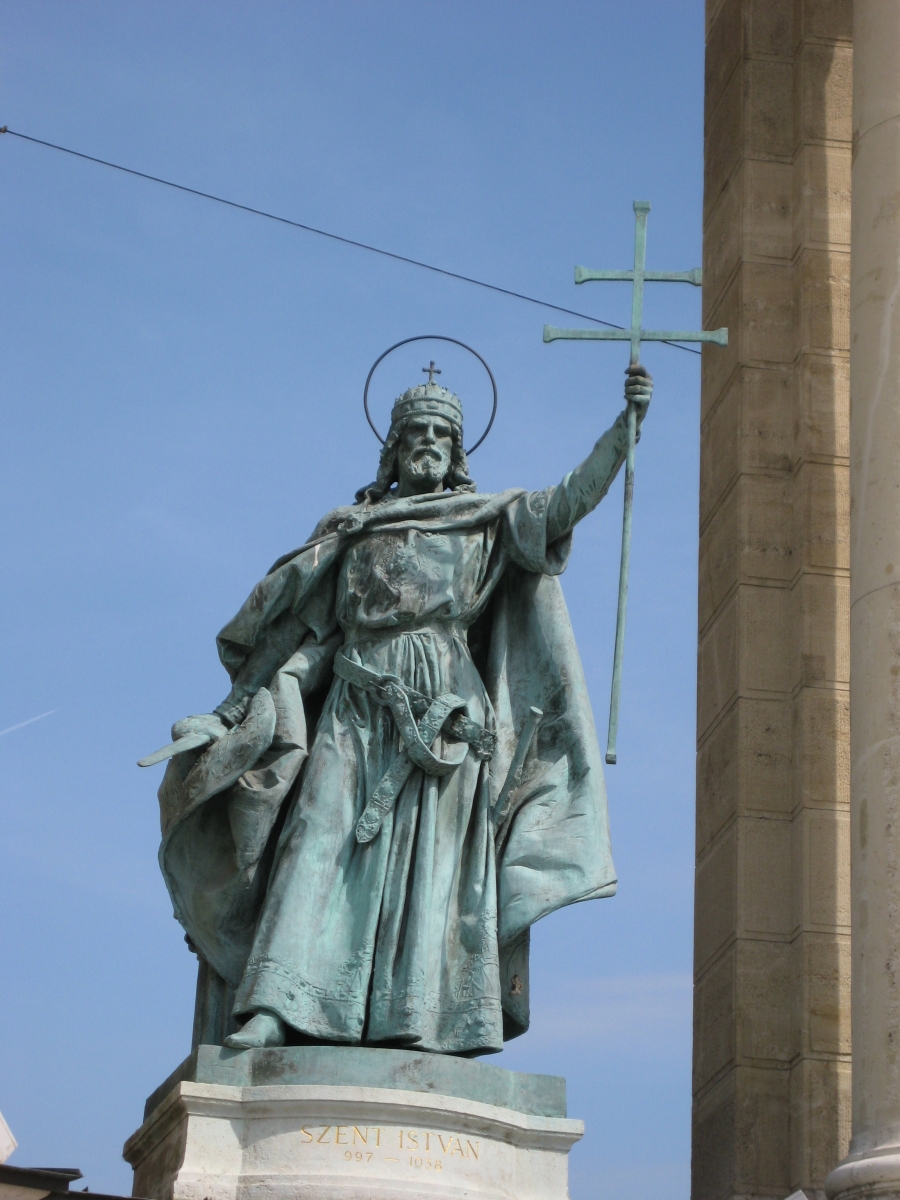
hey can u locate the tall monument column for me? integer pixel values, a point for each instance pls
(772, 934)
(873, 1165)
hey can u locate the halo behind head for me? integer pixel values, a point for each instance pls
(429, 396)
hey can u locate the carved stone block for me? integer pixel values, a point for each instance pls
(239, 1129)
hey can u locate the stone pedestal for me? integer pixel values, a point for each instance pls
(351, 1123)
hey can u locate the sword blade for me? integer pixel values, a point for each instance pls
(192, 742)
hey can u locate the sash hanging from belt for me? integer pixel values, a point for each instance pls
(406, 704)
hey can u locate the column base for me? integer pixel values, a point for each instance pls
(871, 1169)
(348, 1141)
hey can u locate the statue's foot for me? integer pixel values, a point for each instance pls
(264, 1029)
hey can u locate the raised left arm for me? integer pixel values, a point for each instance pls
(583, 489)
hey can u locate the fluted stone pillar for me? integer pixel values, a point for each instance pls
(873, 1165)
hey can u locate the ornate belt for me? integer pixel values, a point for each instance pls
(446, 712)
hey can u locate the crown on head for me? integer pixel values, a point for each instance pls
(431, 399)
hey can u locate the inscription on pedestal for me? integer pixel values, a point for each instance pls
(318, 1141)
(421, 1149)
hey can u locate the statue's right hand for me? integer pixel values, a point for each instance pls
(207, 723)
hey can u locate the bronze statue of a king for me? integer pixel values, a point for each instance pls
(352, 842)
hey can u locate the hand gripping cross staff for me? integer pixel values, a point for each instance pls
(635, 335)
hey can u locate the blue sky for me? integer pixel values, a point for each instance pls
(182, 400)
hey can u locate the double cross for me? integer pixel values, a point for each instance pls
(635, 335)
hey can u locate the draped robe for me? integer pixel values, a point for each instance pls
(419, 937)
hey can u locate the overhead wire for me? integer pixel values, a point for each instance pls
(335, 237)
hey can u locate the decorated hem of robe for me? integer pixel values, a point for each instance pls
(429, 1021)
(471, 1025)
(305, 1006)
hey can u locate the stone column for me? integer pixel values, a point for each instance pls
(772, 954)
(873, 1165)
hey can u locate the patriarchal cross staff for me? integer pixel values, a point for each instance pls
(635, 335)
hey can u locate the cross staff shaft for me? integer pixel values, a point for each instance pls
(641, 209)
(635, 335)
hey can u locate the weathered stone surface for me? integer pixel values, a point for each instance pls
(331, 1142)
(766, 219)
(762, 1130)
(872, 1168)
(724, 46)
(745, 766)
(822, 866)
(717, 369)
(765, 643)
(722, 243)
(714, 1023)
(822, 299)
(764, 1010)
(822, 419)
(771, 938)
(821, 196)
(715, 908)
(824, 81)
(364, 1066)
(823, 616)
(768, 88)
(718, 777)
(820, 1110)
(823, 966)
(822, 748)
(748, 647)
(764, 877)
(718, 661)
(724, 140)
(831, 19)
(748, 430)
(770, 27)
(748, 538)
(714, 1144)
(822, 516)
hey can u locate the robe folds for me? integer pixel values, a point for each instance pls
(419, 937)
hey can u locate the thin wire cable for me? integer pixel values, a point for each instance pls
(335, 237)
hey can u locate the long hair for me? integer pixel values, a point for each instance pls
(457, 477)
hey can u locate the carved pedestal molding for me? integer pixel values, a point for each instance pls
(313, 1142)
(873, 1166)
(351, 1123)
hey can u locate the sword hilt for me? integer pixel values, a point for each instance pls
(514, 774)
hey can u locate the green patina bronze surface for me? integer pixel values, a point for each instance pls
(634, 335)
(362, 1066)
(405, 775)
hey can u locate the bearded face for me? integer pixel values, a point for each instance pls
(424, 454)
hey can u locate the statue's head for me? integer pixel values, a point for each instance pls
(423, 452)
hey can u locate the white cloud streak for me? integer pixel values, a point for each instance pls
(30, 721)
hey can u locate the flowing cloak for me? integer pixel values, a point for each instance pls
(259, 851)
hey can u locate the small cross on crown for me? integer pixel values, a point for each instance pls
(432, 371)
